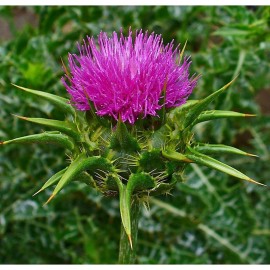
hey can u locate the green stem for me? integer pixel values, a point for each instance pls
(127, 255)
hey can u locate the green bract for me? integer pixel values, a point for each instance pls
(140, 160)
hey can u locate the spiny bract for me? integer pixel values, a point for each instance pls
(146, 156)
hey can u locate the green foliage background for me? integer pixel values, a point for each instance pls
(211, 217)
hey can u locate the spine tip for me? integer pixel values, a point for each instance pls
(187, 160)
(37, 193)
(251, 155)
(130, 241)
(258, 183)
(249, 115)
(20, 117)
(52, 196)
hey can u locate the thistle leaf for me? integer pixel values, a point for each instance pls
(84, 177)
(160, 136)
(124, 203)
(217, 165)
(217, 114)
(65, 127)
(54, 179)
(176, 117)
(173, 155)
(60, 102)
(177, 111)
(53, 137)
(80, 164)
(137, 181)
(122, 139)
(202, 104)
(220, 148)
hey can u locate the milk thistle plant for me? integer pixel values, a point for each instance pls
(128, 128)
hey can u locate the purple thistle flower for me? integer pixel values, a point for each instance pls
(128, 79)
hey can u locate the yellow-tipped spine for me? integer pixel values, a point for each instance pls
(130, 240)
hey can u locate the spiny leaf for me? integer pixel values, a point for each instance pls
(173, 155)
(217, 114)
(122, 139)
(124, 203)
(137, 181)
(54, 179)
(60, 102)
(83, 177)
(217, 165)
(53, 137)
(65, 127)
(202, 104)
(220, 148)
(177, 111)
(159, 136)
(176, 117)
(80, 164)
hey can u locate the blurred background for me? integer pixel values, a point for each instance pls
(211, 217)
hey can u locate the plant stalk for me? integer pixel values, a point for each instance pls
(127, 255)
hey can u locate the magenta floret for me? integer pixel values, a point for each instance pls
(125, 77)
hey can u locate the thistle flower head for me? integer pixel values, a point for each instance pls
(128, 78)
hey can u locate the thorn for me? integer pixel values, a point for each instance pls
(231, 82)
(18, 116)
(249, 115)
(37, 192)
(130, 240)
(14, 84)
(2, 143)
(182, 53)
(19, 87)
(187, 160)
(258, 183)
(251, 155)
(196, 77)
(52, 196)
(146, 205)
(65, 68)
